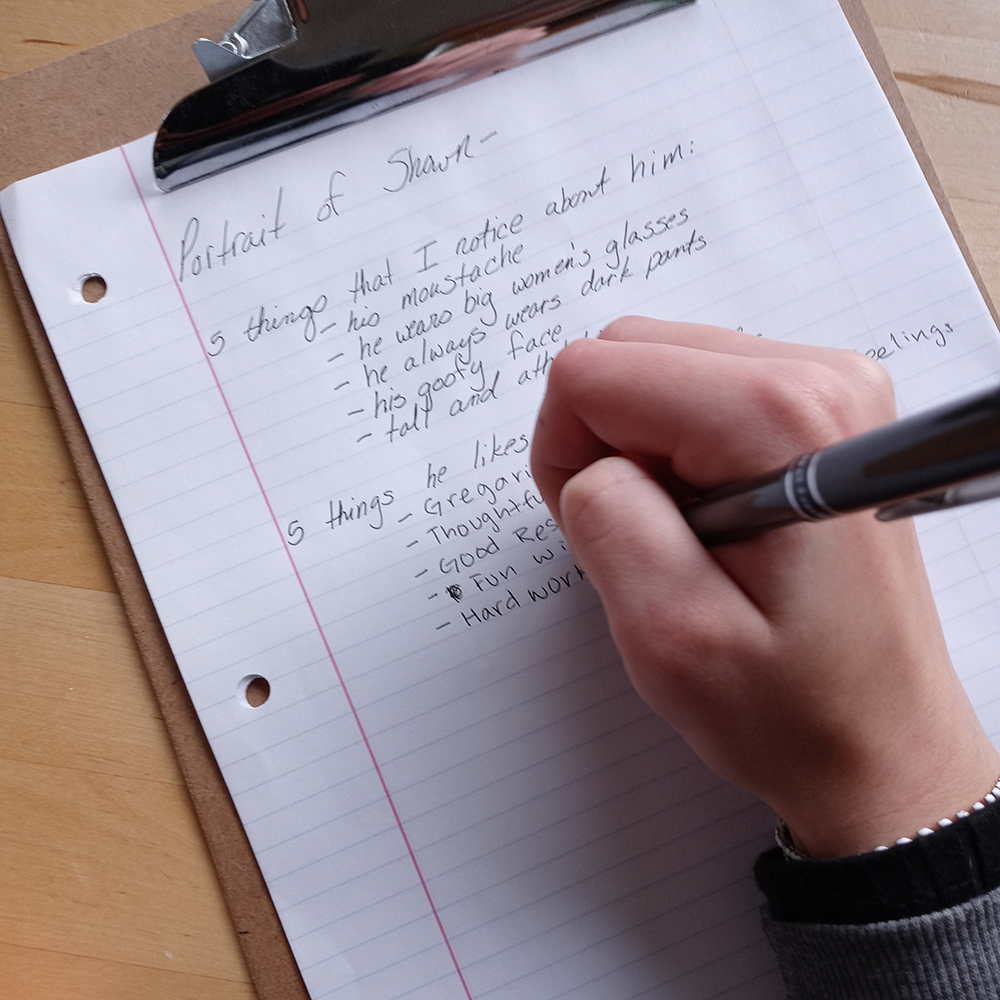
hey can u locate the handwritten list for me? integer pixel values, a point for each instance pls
(311, 387)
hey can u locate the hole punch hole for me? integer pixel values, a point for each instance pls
(255, 690)
(93, 288)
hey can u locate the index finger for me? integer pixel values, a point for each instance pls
(716, 416)
(643, 329)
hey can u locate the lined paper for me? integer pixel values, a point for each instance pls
(311, 388)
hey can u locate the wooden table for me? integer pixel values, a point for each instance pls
(106, 888)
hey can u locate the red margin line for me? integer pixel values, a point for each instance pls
(295, 570)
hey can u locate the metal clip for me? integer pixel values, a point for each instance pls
(972, 491)
(284, 73)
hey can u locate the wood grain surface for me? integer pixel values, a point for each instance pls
(106, 888)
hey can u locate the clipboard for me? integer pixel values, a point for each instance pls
(66, 100)
(80, 83)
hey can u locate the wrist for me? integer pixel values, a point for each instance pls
(786, 842)
(877, 815)
(929, 874)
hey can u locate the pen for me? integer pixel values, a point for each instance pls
(933, 460)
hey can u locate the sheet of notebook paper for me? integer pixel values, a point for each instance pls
(311, 387)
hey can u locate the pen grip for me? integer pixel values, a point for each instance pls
(742, 510)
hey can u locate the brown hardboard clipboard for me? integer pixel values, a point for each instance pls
(105, 97)
(50, 116)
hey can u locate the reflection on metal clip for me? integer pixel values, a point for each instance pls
(984, 488)
(285, 73)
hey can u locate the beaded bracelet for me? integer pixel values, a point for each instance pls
(783, 836)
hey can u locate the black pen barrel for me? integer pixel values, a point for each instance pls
(742, 510)
(918, 454)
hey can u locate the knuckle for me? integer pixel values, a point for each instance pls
(573, 363)
(590, 504)
(816, 405)
(615, 329)
(622, 328)
(872, 385)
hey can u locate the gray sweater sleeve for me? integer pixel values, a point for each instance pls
(919, 921)
(951, 954)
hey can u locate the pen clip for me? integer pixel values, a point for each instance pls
(971, 491)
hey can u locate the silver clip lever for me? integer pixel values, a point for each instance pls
(264, 27)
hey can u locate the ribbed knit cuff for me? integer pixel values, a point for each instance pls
(947, 868)
(950, 955)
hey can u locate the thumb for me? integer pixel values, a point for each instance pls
(661, 589)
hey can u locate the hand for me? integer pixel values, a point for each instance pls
(806, 665)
